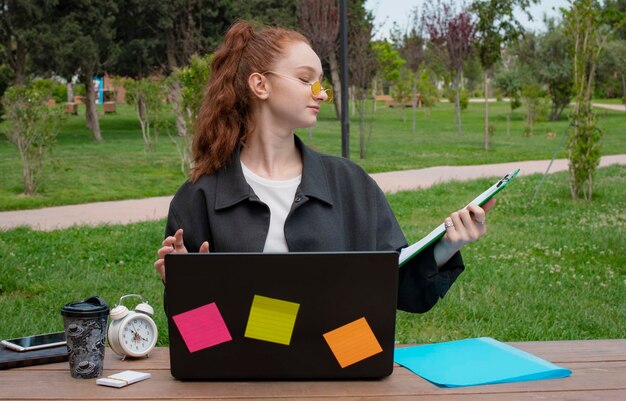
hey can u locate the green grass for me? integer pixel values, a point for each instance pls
(80, 170)
(608, 101)
(555, 270)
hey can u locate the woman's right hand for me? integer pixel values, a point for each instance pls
(174, 244)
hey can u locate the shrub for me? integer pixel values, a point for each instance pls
(463, 99)
(32, 128)
(51, 89)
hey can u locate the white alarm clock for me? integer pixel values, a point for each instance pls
(132, 333)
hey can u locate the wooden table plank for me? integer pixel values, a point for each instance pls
(576, 351)
(17, 383)
(594, 378)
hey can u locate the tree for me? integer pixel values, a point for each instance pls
(19, 25)
(455, 33)
(614, 15)
(32, 128)
(531, 95)
(79, 41)
(191, 79)
(411, 45)
(495, 26)
(583, 145)
(427, 90)
(268, 12)
(319, 22)
(401, 91)
(148, 96)
(611, 81)
(554, 67)
(362, 62)
(159, 37)
(388, 66)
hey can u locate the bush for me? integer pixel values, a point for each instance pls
(463, 99)
(427, 89)
(32, 128)
(191, 81)
(148, 96)
(51, 89)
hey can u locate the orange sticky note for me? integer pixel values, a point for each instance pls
(353, 342)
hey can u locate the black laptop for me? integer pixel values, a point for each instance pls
(282, 316)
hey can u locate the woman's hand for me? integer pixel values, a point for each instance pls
(462, 227)
(174, 244)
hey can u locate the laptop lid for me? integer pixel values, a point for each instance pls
(281, 316)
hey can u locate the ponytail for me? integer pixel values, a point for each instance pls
(225, 116)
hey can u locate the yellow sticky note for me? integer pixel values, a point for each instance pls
(271, 320)
(353, 342)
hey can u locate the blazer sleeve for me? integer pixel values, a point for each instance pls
(421, 283)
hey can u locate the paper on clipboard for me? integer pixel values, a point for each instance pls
(409, 252)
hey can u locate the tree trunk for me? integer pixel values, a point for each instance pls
(334, 75)
(486, 77)
(143, 120)
(374, 90)
(554, 111)
(19, 63)
(361, 128)
(175, 93)
(70, 92)
(352, 96)
(623, 89)
(28, 175)
(458, 102)
(91, 112)
(170, 50)
(508, 124)
(414, 97)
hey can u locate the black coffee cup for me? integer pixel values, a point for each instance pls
(85, 323)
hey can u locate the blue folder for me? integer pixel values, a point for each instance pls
(475, 361)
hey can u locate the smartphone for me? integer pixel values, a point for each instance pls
(38, 341)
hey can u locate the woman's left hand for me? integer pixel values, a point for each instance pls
(462, 227)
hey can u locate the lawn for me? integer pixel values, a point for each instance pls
(553, 270)
(80, 170)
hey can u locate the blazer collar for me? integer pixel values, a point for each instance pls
(232, 187)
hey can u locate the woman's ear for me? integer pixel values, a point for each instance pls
(259, 85)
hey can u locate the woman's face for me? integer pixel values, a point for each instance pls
(291, 101)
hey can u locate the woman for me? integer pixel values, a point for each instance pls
(256, 187)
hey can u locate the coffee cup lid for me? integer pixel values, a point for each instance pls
(88, 307)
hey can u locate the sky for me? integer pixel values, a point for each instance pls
(388, 11)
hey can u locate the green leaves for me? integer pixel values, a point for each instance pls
(193, 79)
(32, 128)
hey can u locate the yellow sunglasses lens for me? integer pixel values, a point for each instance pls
(329, 93)
(316, 88)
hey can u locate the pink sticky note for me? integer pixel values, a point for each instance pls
(202, 327)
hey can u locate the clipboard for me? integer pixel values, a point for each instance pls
(409, 252)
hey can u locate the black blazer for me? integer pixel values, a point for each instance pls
(337, 207)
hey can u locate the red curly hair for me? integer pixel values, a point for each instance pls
(225, 117)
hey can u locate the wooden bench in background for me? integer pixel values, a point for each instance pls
(109, 107)
(71, 108)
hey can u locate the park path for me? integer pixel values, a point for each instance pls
(608, 106)
(614, 107)
(136, 210)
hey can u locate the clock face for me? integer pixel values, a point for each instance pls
(138, 335)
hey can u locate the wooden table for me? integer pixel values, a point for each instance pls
(599, 373)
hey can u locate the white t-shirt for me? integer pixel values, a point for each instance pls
(278, 195)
